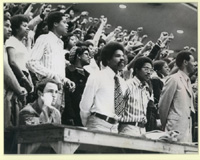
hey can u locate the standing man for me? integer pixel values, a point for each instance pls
(134, 117)
(78, 57)
(176, 102)
(100, 107)
(48, 56)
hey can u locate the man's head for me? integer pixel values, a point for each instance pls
(112, 55)
(19, 25)
(7, 28)
(143, 68)
(161, 66)
(7, 13)
(101, 43)
(57, 22)
(185, 61)
(50, 87)
(80, 54)
(69, 40)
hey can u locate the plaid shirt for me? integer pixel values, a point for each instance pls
(138, 98)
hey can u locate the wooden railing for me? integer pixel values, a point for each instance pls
(62, 139)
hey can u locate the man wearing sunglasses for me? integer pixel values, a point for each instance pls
(134, 117)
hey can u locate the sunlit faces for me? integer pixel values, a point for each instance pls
(23, 30)
(165, 70)
(85, 58)
(52, 90)
(117, 62)
(71, 13)
(62, 26)
(72, 41)
(7, 29)
(145, 72)
(101, 45)
(7, 14)
(190, 65)
(92, 50)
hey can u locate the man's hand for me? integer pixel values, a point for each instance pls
(149, 45)
(103, 21)
(90, 19)
(163, 37)
(84, 13)
(46, 11)
(141, 39)
(57, 79)
(70, 84)
(24, 82)
(117, 30)
(22, 96)
(47, 99)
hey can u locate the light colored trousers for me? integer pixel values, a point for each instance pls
(96, 124)
(131, 130)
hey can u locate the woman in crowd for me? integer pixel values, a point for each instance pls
(18, 54)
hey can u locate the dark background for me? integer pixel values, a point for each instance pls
(153, 17)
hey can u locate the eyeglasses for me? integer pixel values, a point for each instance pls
(146, 69)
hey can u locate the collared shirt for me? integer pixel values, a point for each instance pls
(98, 95)
(31, 114)
(186, 78)
(22, 55)
(189, 85)
(138, 98)
(47, 57)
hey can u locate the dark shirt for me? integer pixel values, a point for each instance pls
(71, 114)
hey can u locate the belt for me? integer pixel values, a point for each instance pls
(105, 118)
(139, 124)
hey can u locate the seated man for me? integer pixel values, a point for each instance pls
(42, 110)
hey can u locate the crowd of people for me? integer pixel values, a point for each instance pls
(64, 67)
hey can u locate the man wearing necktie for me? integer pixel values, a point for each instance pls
(102, 101)
(177, 100)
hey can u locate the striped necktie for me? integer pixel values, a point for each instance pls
(119, 105)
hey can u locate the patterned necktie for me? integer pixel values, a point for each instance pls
(119, 105)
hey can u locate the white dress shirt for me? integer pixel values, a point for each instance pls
(47, 57)
(98, 95)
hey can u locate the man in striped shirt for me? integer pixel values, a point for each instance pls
(134, 118)
(47, 57)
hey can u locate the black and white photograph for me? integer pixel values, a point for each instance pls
(100, 78)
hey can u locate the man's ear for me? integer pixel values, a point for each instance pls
(185, 62)
(55, 24)
(78, 57)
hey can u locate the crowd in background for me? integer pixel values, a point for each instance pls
(82, 45)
